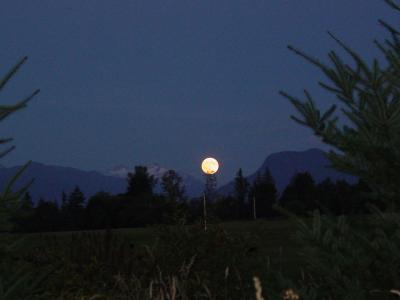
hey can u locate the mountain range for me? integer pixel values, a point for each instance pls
(193, 186)
(283, 165)
(51, 181)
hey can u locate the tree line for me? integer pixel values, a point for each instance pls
(141, 206)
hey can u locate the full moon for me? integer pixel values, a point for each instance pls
(210, 165)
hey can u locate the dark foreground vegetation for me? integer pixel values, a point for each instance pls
(348, 250)
(158, 262)
(316, 258)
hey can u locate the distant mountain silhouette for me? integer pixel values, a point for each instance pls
(283, 165)
(51, 181)
(193, 186)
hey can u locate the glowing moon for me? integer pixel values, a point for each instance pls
(210, 165)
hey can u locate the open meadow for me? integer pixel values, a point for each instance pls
(268, 240)
(85, 263)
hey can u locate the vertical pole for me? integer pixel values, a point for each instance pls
(204, 212)
(254, 208)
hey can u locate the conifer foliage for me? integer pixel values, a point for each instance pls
(263, 192)
(241, 191)
(369, 100)
(356, 258)
(17, 279)
(9, 197)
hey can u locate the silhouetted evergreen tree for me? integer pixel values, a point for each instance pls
(172, 185)
(138, 201)
(26, 202)
(367, 144)
(140, 183)
(174, 191)
(241, 192)
(64, 199)
(99, 211)
(263, 191)
(342, 257)
(73, 210)
(23, 216)
(300, 196)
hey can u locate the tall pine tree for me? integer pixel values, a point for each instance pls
(367, 143)
(140, 183)
(345, 259)
(73, 209)
(174, 190)
(241, 191)
(301, 194)
(264, 194)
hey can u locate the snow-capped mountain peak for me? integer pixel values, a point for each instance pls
(122, 171)
(193, 185)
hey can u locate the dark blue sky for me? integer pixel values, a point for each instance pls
(169, 82)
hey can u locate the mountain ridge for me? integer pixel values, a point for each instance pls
(52, 180)
(284, 165)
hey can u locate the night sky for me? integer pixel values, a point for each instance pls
(170, 82)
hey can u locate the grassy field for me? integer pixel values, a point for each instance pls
(272, 240)
(85, 263)
(118, 262)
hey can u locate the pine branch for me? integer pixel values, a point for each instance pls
(21, 104)
(360, 62)
(12, 72)
(392, 4)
